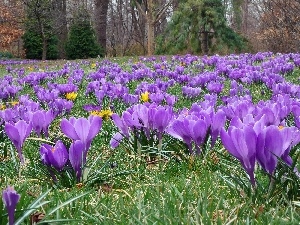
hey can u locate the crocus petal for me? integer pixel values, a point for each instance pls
(199, 132)
(13, 134)
(81, 127)
(228, 143)
(44, 149)
(24, 129)
(94, 128)
(120, 124)
(274, 141)
(68, 129)
(161, 119)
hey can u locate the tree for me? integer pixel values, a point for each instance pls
(101, 7)
(10, 26)
(60, 24)
(82, 40)
(199, 26)
(280, 25)
(39, 19)
(152, 13)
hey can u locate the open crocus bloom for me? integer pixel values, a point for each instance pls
(82, 129)
(17, 133)
(10, 199)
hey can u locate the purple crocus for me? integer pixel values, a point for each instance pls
(41, 120)
(217, 122)
(77, 157)
(55, 156)
(161, 119)
(189, 129)
(82, 129)
(241, 143)
(273, 142)
(10, 199)
(17, 133)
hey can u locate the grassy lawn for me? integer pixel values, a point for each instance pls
(152, 177)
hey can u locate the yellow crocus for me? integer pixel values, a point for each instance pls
(71, 96)
(145, 96)
(14, 103)
(93, 65)
(2, 107)
(104, 113)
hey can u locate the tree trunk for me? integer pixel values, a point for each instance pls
(151, 19)
(205, 42)
(101, 7)
(44, 55)
(60, 27)
(150, 44)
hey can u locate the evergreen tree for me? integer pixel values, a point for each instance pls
(33, 45)
(199, 26)
(82, 42)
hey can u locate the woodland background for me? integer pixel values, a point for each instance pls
(59, 29)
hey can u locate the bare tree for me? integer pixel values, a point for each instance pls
(279, 27)
(60, 24)
(101, 8)
(153, 13)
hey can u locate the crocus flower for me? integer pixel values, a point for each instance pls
(145, 96)
(190, 129)
(105, 114)
(241, 143)
(55, 156)
(71, 96)
(17, 133)
(273, 142)
(41, 120)
(10, 199)
(77, 157)
(218, 120)
(82, 129)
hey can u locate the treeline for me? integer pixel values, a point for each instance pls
(52, 29)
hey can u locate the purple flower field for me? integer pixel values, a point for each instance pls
(76, 135)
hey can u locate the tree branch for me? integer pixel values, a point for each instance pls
(162, 11)
(139, 7)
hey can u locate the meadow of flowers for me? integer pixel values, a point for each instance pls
(151, 140)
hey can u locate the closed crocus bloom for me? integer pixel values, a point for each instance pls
(241, 143)
(120, 123)
(41, 120)
(10, 199)
(17, 133)
(273, 142)
(161, 119)
(55, 156)
(180, 129)
(116, 140)
(77, 157)
(82, 129)
(218, 120)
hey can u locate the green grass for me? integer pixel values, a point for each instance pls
(123, 189)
